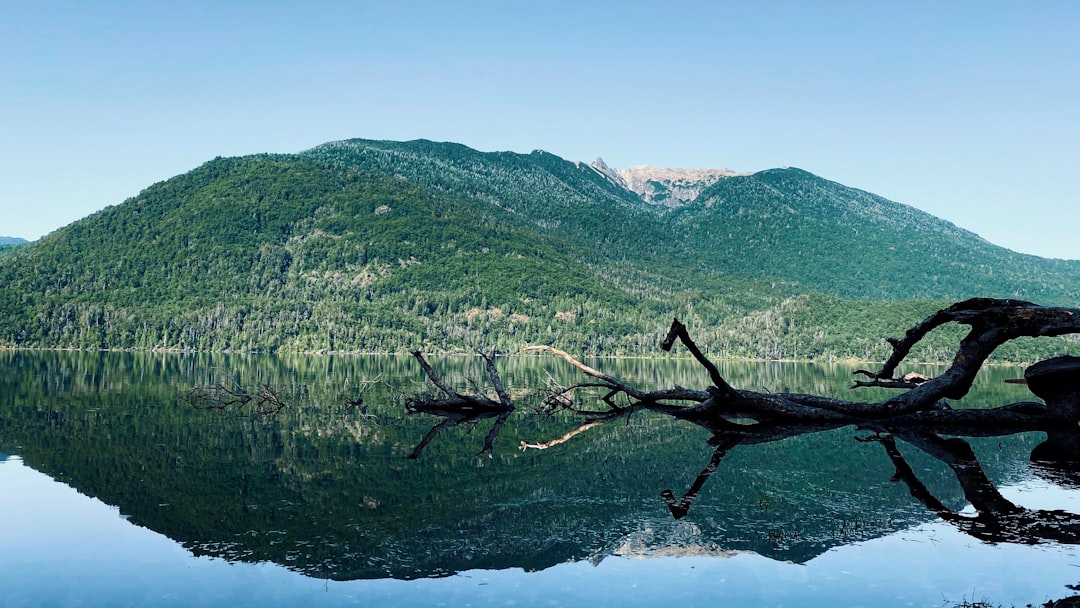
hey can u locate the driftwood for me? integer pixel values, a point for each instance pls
(923, 405)
(457, 409)
(745, 416)
(236, 400)
(919, 416)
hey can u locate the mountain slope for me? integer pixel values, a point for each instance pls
(567, 199)
(280, 252)
(795, 226)
(781, 225)
(389, 246)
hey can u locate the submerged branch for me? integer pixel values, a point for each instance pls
(456, 409)
(263, 402)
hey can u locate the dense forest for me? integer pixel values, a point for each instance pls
(361, 246)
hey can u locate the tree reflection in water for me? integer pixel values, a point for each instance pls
(997, 519)
(328, 493)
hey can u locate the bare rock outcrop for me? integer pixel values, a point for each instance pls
(663, 186)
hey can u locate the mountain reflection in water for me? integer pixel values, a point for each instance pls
(324, 488)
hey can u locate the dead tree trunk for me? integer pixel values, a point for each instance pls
(923, 405)
(724, 409)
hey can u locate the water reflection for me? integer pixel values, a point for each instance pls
(327, 490)
(997, 519)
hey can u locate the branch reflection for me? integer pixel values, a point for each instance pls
(997, 519)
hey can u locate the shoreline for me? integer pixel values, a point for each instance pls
(327, 353)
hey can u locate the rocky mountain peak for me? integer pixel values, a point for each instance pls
(603, 169)
(663, 186)
(669, 186)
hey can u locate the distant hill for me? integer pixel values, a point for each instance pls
(376, 246)
(9, 244)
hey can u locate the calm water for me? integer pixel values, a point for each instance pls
(115, 491)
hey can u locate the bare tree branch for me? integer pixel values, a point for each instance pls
(678, 331)
(993, 323)
(923, 406)
(456, 409)
(588, 371)
(435, 379)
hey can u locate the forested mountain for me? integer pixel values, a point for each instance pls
(828, 238)
(389, 246)
(779, 225)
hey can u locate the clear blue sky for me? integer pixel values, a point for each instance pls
(967, 110)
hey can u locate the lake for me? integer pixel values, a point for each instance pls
(115, 490)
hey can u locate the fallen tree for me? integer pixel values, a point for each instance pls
(924, 404)
(757, 416)
(919, 415)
